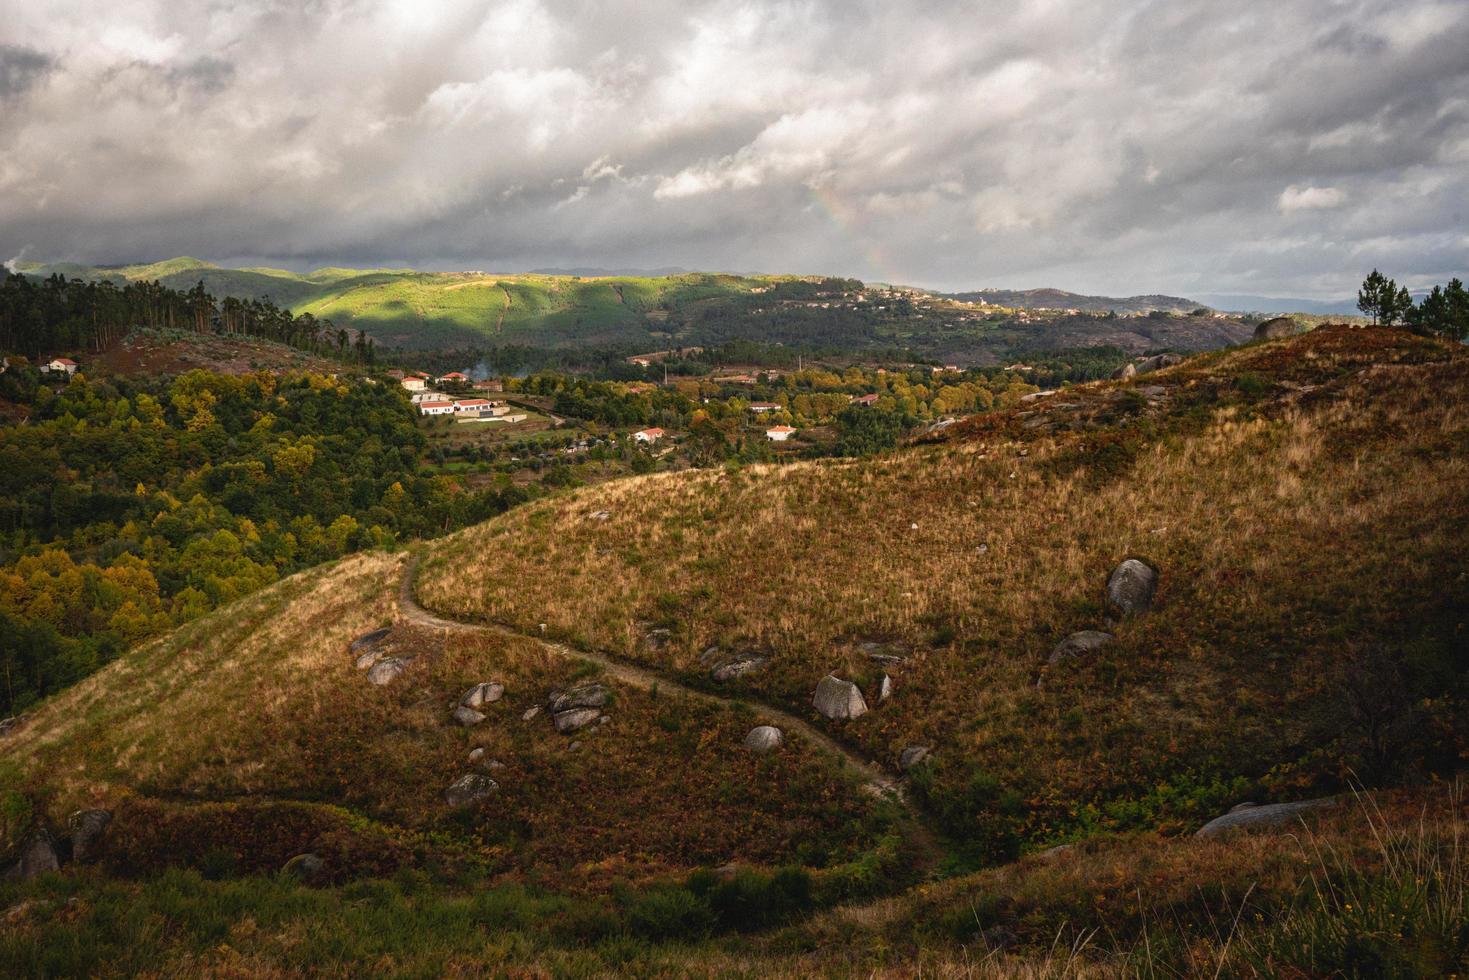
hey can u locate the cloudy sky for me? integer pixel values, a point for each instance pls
(1281, 147)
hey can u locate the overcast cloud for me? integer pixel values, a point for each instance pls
(1183, 146)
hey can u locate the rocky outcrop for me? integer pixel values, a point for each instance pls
(470, 789)
(306, 868)
(1269, 815)
(1125, 372)
(366, 640)
(1277, 329)
(1079, 644)
(87, 828)
(1131, 586)
(482, 694)
(764, 738)
(1158, 362)
(838, 699)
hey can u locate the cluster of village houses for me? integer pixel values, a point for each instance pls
(431, 402)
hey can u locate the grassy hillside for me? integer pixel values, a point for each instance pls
(1305, 502)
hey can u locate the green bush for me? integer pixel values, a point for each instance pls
(669, 912)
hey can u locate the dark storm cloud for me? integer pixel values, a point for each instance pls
(1185, 145)
(20, 68)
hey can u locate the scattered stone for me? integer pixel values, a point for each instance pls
(482, 694)
(575, 718)
(304, 867)
(837, 699)
(658, 638)
(887, 659)
(599, 515)
(764, 738)
(709, 655)
(585, 696)
(468, 717)
(87, 828)
(1277, 329)
(1124, 372)
(476, 754)
(470, 788)
(375, 638)
(1038, 395)
(494, 764)
(387, 670)
(1131, 585)
(38, 856)
(1268, 815)
(1079, 644)
(8, 725)
(573, 746)
(912, 756)
(885, 688)
(530, 712)
(736, 668)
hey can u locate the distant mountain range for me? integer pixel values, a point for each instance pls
(1060, 299)
(1278, 304)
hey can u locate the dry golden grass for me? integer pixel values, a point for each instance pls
(1296, 533)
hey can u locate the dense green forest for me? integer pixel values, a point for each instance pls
(131, 505)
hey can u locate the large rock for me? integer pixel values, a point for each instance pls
(1277, 329)
(1126, 371)
(764, 738)
(585, 696)
(387, 670)
(38, 856)
(483, 694)
(726, 672)
(575, 718)
(370, 656)
(467, 716)
(1131, 586)
(1079, 644)
(1269, 815)
(469, 789)
(87, 828)
(306, 868)
(911, 756)
(1157, 362)
(375, 638)
(838, 699)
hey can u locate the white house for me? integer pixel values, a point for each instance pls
(472, 406)
(65, 364)
(414, 384)
(779, 433)
(760, 408)
(648, 435)
(436, 408)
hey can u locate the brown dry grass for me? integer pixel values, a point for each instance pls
(1297, 532)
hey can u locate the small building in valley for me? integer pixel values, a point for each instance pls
(760, 408)
(62, 365)
(779, 433)
(648, 435)
(414, 384)
(436, 408)
(867, 401)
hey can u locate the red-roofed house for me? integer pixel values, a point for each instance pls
(867, 400)
(414, 384)
(452, 376)
(436, 408)
(473, 406)
(65, 364)
(779, 433)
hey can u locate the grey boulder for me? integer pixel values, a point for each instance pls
(1277, 329)
(483, 694)
(467, 717)
(1158, 361)
(387, 670)
(575, 718)
(87, 828)
(764, 738)
(1130, 587)
(585, 696)
(1079, 644)
(912, 756)
(304, 867)
(1125, 371)
(38, 856)
(726, 672)
(469, 789)
(366, 640)
(1269, 815)
(839, 699)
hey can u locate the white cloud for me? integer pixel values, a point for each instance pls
(1295, 198)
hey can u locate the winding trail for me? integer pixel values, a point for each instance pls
(875, 779)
